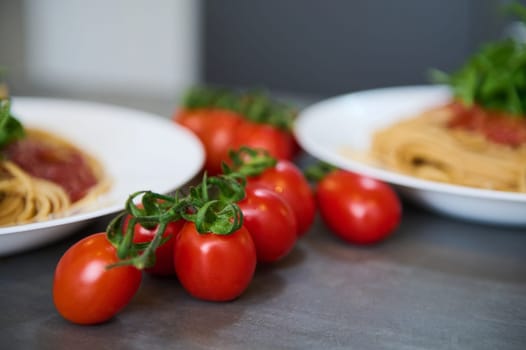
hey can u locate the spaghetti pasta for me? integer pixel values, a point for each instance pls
(425, 147)
(26, 198)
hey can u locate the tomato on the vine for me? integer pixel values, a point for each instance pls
(164, 255)
(270, 221)
(214, 267)
(225, 119)
(287, 179)
(85, 291)
(357, 208)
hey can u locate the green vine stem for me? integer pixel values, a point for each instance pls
(249, 162)
(318, 171)
(211, 205)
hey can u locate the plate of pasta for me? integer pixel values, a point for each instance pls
(403, 136)
(66, 162)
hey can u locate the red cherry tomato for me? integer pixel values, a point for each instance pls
(84, 290)
(288, 180)
(193, 119)
(164, 259)
(270, 221)
(357, 208)
(279, 144)
(216, 128)
(214, 267)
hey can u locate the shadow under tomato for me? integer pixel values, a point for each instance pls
(293, 259)
(267, 283)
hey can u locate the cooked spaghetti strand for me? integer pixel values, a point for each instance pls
(425, 147)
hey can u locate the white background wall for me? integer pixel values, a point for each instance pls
(114, 50)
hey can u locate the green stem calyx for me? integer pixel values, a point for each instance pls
(211, 205)
(249, 162)
(255, 106)
(318, 171)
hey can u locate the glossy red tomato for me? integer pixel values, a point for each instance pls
(164, 256)
(84, 290)
(216, 128)
(357, 208)
(280, 144)
(214, 267)
(270, 221)
(288, 180)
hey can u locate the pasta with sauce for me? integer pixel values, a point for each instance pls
(43, 175)
(429, 147)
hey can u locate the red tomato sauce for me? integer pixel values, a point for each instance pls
(66, 167)
(497, 127)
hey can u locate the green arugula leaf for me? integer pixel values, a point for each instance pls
(10, 128)
(494, 77)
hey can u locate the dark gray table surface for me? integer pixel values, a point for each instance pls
(437, 283)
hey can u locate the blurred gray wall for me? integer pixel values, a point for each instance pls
(335, 46)
(139, 53)
(305, 47)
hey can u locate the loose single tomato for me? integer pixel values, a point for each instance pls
(214, 267)
(287, 179)
(164, 256)
(278, 143)
(357, 208)
(216, 128)
(84, 290)
(270, 221)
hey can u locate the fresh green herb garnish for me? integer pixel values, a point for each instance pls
(494, 77)
(10, 128)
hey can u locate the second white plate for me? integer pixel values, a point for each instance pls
(348, 122)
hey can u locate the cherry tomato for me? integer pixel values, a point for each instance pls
(280, 144)
(270, 221)
(84, 290)
(288, 180)
(193, 119)
(164, 254)
(216, 128)
(357, 208)
(214, 267)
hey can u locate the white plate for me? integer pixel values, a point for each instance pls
(348, 121)
(139, 151)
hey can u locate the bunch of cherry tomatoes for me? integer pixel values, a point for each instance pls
(251, 207)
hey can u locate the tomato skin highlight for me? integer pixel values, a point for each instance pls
(356, 208)
(214, 267)
(288, 181)
(84, 291)
(164, 254)
(278, 143)
(270, 221)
